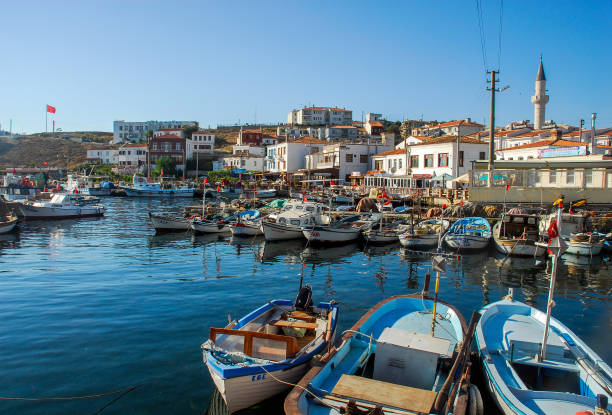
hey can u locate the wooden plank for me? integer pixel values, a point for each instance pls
(388, 394)
(300, 315)
(292, 344)
(295, 324)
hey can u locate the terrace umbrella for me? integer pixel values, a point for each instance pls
(495, 177)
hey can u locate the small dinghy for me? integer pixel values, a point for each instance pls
(210, 226)
(345, 230)
(7, 223)
(587, 244)
(397, 359)
(469, 234)
(425, 234)
(248, 224)
(384, 234)
(566, 380)
(167, 223)
(250, 359)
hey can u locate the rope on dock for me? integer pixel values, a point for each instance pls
(73, 398)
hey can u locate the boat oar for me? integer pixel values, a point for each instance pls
(466, 346)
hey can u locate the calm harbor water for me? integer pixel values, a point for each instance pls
(98, 305)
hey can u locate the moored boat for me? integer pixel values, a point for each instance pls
(168, 223)
(250, 359)
(384, 234)
(143, 188)
(289, 223)
(565, 380)
(425, 234)
(587, 244)
(248, 224)
(469, 234)
(517, 234)
(7, 224)
(344, 230)
(210, 226)
(397, 359)
(60, 206)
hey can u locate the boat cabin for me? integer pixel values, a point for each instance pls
(519, 226)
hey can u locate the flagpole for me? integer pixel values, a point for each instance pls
(46, 116)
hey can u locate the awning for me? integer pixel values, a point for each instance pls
(421, 176)
(442, 177)
(464, 178)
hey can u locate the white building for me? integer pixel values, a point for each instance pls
(202, 142)
(137, 130)
(343, 160)
(539, 99)
(132, 156)
(458, 127)
(289, 157)
(256, 150)
(105, 155)
(169, 131)
(431, 158)
(244, 160)
(320, 116)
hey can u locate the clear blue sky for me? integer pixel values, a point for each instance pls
(224, 61)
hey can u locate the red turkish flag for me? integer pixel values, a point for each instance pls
(50, 109)
(331, 182)
(507, 187)
(162, 172)
(205, 180)
(218, 188)
(45, 163)
(552, 230)
(14, 170)
(305, 198)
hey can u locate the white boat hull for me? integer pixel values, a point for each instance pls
(6, 227)
(210, 227)
(246, 229)
(378, 237)
(322, 235)
(519, 248)
(71, 212)
(166, 223)
(277, 232)
(245, 391)
(466, 242)
(131, 192)
(584, 248)
(417, 241)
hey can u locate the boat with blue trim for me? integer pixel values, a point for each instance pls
(469, 234)
(261, 354)
(397, 359)
(564, 377)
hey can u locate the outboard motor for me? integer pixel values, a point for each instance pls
(304, 298)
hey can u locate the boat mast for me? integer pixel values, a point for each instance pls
(438, 265)
(556, 247)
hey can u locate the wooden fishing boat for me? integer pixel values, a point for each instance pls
(61, 206)
(218, 225)
(250, 359)
(168, 223)
(469, 234)
(295, 215)
(425, 234)
(587, 244)
(344, 230)
(248, 224)
(517, 234)
(384, 234)
(565, 380)
(391, 362)
(8, 223)
(143, 188)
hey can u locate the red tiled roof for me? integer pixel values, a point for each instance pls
(534, 133)
(454, 123)
(343, 126)
(376, 124)
(133, 145)
(252, 131)
(449, 139)
(169, 129)
(308, 140)
(168, 136)
(391, 152)
(545, 143)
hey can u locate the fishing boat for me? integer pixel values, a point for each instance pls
(469, 234)
(565, 379)
(143, 188)
(344, 230)
(210, 225)
(517, 234)
(289, 222)
(168, 223)
(585, 243)
(60, 206)
(259, 355)
(7, 223)
(425, 234)
(84, 185)
(397, 359)
(248, 224)
(384, 234)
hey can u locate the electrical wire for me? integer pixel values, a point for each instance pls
(482, 34)
(501, 27)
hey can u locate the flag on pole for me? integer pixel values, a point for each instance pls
(305, 198)
(218, 188)
(45, 163)
(507, 187)
(205, 180)
(162, 172)
(331, 182)
(50, 109)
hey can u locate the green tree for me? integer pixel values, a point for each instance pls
(149, 134)
(167, 165)
(189, 130)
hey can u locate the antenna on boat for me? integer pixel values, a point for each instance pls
(556, 246)
(438, 263)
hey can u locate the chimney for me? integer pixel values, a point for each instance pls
(468, 119)
(556, 134)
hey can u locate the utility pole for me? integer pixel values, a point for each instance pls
(457, 155)
(593, 117)
(492, 129)
(581, 125)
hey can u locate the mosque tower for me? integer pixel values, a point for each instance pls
(540, 99)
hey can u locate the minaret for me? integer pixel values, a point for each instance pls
(540, 99)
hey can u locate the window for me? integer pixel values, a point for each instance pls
(378, 165)
(363, 158)
(349, 158)
(399, 163)
(389, 163)
(537, 177)
(154, 146)
(588, 176)
(552, 176)
(414, 161)
(178, 146)
(481, 155)
(569, 177)
(461, 159)
(428, 160)
(443, 160)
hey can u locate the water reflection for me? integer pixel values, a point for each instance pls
(329, 254)
(271, 251)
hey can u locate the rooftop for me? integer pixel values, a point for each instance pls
(545, 143)
(308, 140)
(168, 136)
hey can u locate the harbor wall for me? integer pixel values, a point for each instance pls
(538, 194)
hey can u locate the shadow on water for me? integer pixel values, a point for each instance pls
(277, 251)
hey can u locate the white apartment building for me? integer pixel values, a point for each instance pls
(105, 155)
(243, 160)
(132, 156)
(289, 157)
(458, 127)
(131, 131)
(343, 160)
(202, 142)
(429, 159)
(255, 150)
(169, 131)
(339, 133)
(320, 116)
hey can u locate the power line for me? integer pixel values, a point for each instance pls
(501, 27)
(482, 34)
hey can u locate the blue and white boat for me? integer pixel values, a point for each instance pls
(143, 188)
(565, 380)
(396, 358)
(250, 359)
(469, 234)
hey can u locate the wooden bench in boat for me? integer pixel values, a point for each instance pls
(295, 324)
(384, 393)
(300, 315)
